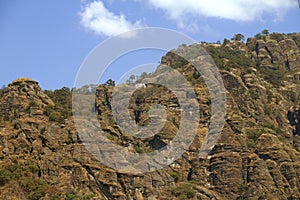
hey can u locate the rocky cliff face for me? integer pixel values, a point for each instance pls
(21, 96)
(256, 157)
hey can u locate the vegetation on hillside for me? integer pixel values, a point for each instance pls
(63, 104)
(226, 58)
(260, 140)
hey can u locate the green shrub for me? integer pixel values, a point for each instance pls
(9, 173)
(273, 76)
(35, 188)
(63, 102)
(109, 136)
(175, 176)
(183, 191)
(254, 94)
(42, 130)
(182, 197)
(16, 171)
(291, 95)
(226, 58)
(71, 196)
(56, 117)
(31, 105)
(267, 110)
(258, 36)
(238, 37)
(272, 126)
(4, 177)
(277, 36)
(138, 149)
(33, 168)
(252, 136)
(225, 42)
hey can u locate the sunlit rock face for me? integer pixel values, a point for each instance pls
(256, 157)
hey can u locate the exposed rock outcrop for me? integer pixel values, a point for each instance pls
(256, 157)
(21, 96)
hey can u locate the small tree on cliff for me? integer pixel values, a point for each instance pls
(265, 32)
(238, 37)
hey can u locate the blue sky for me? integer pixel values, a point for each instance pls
(48, 40)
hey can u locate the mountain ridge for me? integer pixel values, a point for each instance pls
(42, 156)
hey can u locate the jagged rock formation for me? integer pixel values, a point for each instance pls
(21, 96)
(256, 157)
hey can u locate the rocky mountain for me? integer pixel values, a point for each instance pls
(43, 155)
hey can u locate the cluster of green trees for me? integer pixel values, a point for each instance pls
(62, 99)
(35, 188)
(26, 176)
(263, 35)
(226, 58)
(63, 104)
(273, 76)
(240, 37)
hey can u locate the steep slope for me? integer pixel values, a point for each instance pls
(256, 157)
(37, 156)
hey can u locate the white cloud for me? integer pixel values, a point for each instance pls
(95, 17)
(237, 10)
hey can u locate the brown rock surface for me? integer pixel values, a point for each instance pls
(256, 157)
